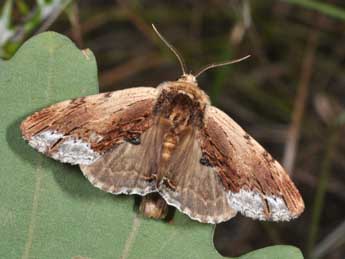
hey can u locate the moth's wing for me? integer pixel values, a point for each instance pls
(80, 131)
(128, 168)
(258, 186)
(195, 189)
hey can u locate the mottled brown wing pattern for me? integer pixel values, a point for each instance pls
(79, 131)
(167, 140)
(258, 186)
(194, 188)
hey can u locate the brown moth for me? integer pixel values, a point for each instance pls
(170, 144)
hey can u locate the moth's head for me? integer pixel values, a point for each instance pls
(188, 78)
(189, 86)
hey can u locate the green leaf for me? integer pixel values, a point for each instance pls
(48, 209)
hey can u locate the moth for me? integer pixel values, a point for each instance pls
(170, 145)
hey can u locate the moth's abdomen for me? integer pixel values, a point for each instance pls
(169, 144)
(153, 206)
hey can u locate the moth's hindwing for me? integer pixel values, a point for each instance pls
(258, 186)
(80, 131)
(128, 168)
(192, 186)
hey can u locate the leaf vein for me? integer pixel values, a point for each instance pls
(131, 237)
(32, 224)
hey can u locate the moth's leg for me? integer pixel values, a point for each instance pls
(154, 206)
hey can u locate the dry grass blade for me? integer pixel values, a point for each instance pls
(300, 103)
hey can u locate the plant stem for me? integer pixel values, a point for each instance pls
(321, 189)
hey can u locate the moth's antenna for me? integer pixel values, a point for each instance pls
(220, 65)
(173, 49)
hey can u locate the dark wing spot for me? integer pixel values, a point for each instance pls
(134, 140)
(204, 161)
(268, 157)
(267, 209)
(108, 94)
(55, 144)
(246, 136)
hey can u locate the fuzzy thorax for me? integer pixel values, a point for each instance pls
(187, 85)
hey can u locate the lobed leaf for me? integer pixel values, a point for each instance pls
(48, 209)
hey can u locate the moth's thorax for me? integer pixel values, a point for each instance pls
(182, 102)
(187, 85)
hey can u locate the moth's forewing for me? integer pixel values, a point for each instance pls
(80, 131)
(258, 186)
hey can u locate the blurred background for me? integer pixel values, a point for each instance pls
(290, 95)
